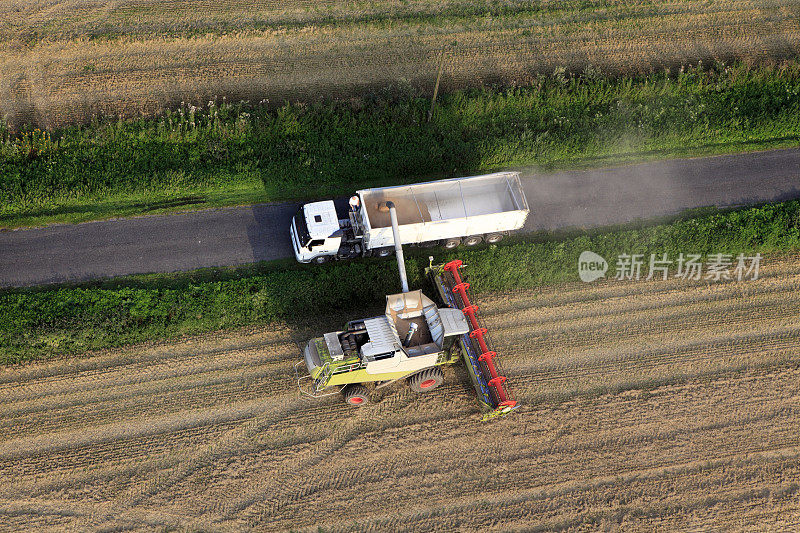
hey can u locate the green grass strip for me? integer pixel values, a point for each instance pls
(238, 154)
(51, 321)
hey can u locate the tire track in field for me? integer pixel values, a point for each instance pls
(145, 444)
(636, 297)
(104, 392)
(335, 437)
(504, 458)
(39, 444)
(349, 467)
(520, 506)
(632, 322)
(97, 514)
(157, 371)
(145, 448)
(661, 344)
(153, 383)
(535, 505)
(154, 389)
(186, 459)
(782, 275)
(648, 353)
(210, 345)
(359, 477)
(345, 406)
(202, 394)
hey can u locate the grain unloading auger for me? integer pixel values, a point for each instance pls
(411, 341)
(481, 361)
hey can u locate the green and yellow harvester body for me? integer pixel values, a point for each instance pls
(411, 340)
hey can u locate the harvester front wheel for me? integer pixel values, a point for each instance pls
(356, 395)
(427, 380)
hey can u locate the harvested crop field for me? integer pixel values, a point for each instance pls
(645, 404)
(61, 61)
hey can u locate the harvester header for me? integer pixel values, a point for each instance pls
(481, 360)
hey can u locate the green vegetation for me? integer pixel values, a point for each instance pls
(45, 321)
(236, 154)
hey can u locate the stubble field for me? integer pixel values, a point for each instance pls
(62, 61)
(646, 405)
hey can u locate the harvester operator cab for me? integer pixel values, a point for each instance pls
(315, 231)
(409, 336)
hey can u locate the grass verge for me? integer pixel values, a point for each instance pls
(239, 154)
(48, 321)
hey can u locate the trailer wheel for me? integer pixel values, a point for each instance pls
(320, 259)
(427, 380)
(494, 237)
(473, 240)
(452, 243)
(356, 395)
(385, 252)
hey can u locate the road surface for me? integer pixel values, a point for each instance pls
(239, 235)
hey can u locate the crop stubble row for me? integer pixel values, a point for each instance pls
(58, 81)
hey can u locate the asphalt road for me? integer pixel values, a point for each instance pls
(239, 235)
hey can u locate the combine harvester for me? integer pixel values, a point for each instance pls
(411, 341)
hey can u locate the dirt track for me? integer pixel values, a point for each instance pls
(645, 405)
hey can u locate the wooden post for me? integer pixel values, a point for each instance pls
(436, 88)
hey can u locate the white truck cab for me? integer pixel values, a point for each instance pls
(315, 231)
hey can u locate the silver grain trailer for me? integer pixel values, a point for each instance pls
(446, 212)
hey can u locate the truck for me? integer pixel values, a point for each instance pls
(411, 341)
(447, 212)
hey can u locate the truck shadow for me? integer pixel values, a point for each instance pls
(268, 230)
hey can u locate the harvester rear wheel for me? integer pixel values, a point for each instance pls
(427, 380)
(356, 395)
